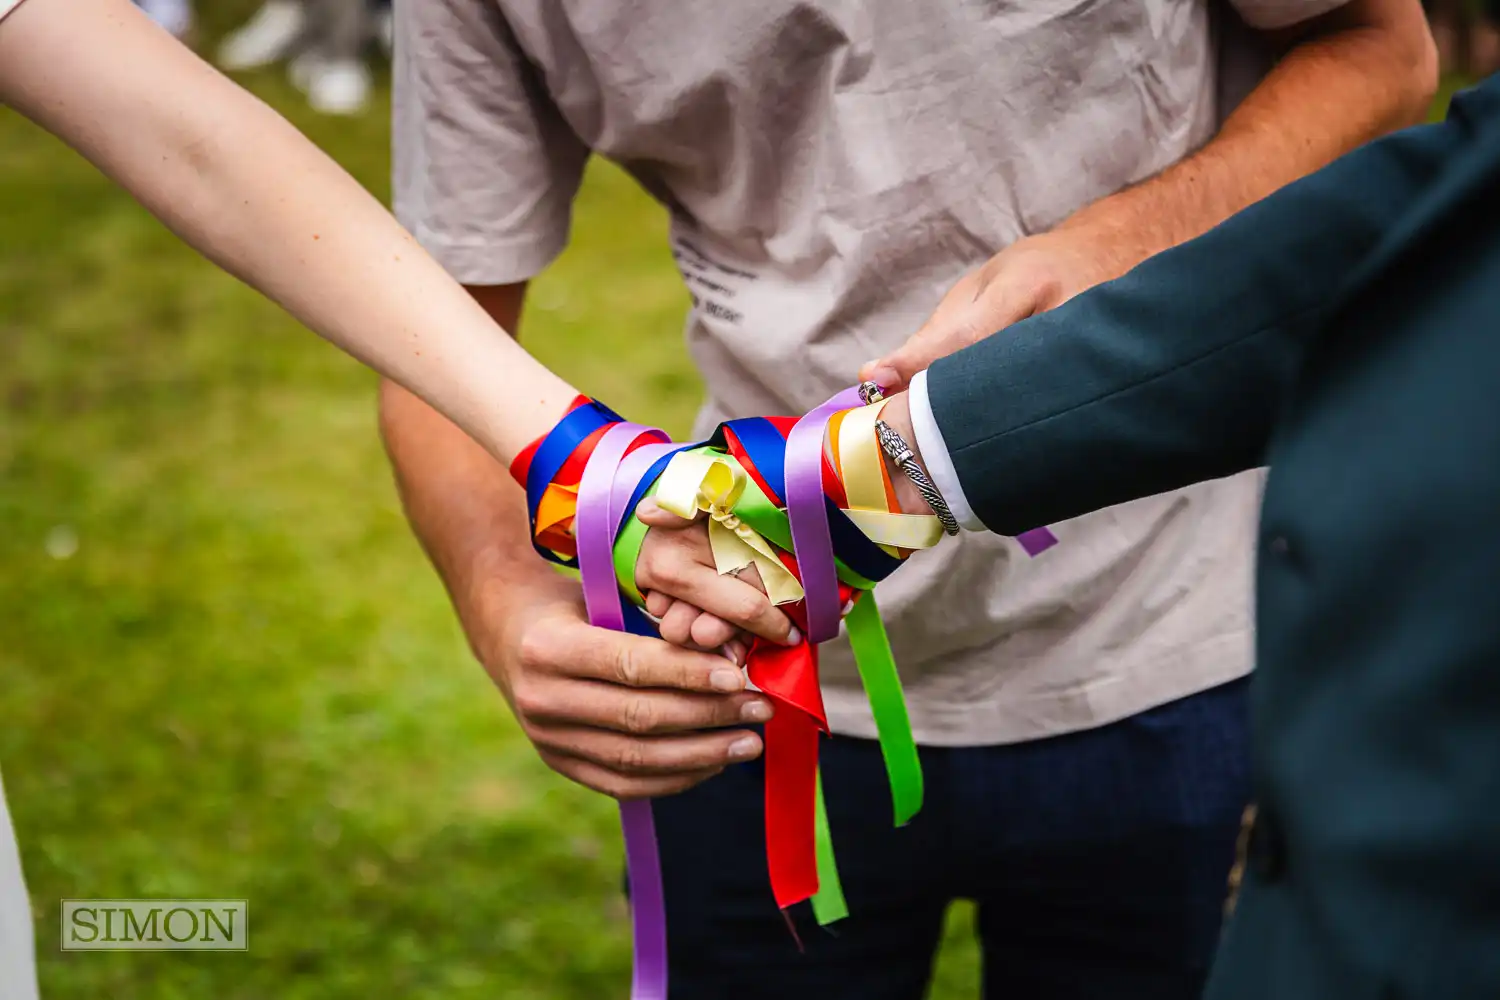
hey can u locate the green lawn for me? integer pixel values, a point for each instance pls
(227, 670)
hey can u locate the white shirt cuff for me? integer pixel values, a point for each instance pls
(935, 455)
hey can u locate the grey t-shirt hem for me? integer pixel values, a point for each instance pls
(493, 261)
(1127, 688)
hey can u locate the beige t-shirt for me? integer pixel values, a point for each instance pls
(832, 168)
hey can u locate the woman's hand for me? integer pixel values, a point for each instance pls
(693, 603)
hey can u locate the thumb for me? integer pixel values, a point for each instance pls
(654, 515)
(934, 340)
(994, 305)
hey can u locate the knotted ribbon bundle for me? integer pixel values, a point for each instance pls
(821, 528)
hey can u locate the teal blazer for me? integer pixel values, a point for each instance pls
(1345, 332)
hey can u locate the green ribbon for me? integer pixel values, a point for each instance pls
(877, 670)
(628, 552)
(757, 510)
(828, 903)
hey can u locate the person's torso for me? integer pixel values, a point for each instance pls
(1377, 696)
(831, 169)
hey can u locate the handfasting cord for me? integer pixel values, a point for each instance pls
(821, 527)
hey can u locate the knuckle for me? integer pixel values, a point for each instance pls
(559, 763)
(631, 757)
(973, 333)
(627, 665)
(638, 716)
(648, 564)
(669, 571)
(528, 701)
(753, 605)
(657, 603)
(677, 631)
(537, 649)
(710, 631)
(614, 785)
(1049, 291)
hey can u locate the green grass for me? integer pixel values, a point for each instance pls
(227, 671)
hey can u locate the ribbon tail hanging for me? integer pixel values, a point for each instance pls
(791, 803)
(828, 903)
(877, 671)
(788, 675)
(648, 909)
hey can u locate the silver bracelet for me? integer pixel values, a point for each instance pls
(906, 460)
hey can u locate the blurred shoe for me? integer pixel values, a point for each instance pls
(176, 16)
(266, 38)
(332, 86)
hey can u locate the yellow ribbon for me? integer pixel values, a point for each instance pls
(860, 462)
(697, 481)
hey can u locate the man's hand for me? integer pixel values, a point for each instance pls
(1343, 78)
(625, 715)
(1030, 276)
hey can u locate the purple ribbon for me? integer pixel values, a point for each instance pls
(1036, 541)
(606, 486)
(807, 512)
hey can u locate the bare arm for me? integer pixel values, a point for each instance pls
(623, 714)
(1346, 77)
(238, 183)
(626, 715)
(467, 512)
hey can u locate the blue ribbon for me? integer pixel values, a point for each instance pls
(556, 448)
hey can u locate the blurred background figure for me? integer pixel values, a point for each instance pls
(175, 16)
(1467, 33)
(268, 37)
(325, 43)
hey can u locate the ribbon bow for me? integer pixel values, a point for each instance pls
(710, 482)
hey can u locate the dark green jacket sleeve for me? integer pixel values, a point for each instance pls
(1176, 372)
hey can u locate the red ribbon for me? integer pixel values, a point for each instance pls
(788, 675)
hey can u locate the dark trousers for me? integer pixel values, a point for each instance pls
(1098, 860)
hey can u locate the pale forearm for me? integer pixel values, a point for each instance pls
(1360, 72)
(468, 513)
(247, 190)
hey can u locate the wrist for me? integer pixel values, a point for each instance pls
(503, 594)
(897, 414)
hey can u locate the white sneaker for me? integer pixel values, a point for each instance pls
(333, 87)
(265, 38)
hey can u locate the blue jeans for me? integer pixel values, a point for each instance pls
(1098, 860)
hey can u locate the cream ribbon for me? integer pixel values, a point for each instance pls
(860, 461)
(712, 483)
